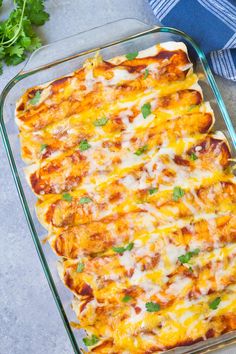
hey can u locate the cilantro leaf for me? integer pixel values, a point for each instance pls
(84, 145)
(80, 267)
(129, 247)
(146, 73)
(100, 122)
(2, 53)
(215, 303)
(126, 298)
(178, 193)
(35, 100)
(35, 44)
(35, 12)
(141, 150)
(43, 147)
(185, 258)
(146, 110)
(14, 59)
(152, 191)
(89, 341)
(17, 50)
(67, 197)
(25, 42)
(193, 157)
(118, 249)
(85, 200)
(131, 56)
(152, 307)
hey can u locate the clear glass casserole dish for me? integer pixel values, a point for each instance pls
(61, 58)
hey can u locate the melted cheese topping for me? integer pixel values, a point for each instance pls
(138, 197)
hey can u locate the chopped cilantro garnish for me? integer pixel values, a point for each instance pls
(178, 193)
(146, 110)
(141, 150)
(131, 56)
(89, 341)
(67, 197)
(215, 303)
(193, 156)
(146, 73)
(152, 191)
(100, 122)
(152, 307)
(80, 267)
(130, 246)
(185, 258)
(84, 145)
(126, 298)
(85, 200)
(43, 147)
(35, 100)
(123, 249)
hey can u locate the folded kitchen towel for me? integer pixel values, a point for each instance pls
(211, 23)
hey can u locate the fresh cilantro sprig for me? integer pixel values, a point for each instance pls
(17, 34)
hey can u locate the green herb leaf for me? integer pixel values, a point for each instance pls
(25, 42)
(85, 200)
(152, 307)
(17, 50)
(129, 247)
(185, 258)
(146, 73)
(84, 145)
(152, 191)
(43, 147)
(35, 100)
(119, 249)
(67, 197)
(215, 303)
(89, 341)
(131, 56)
(80, 267)
(193, 156)
(141, 150)
(126, 298)
(146, 110)
(100, 122)
(178, 193)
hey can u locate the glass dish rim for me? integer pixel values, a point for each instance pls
(23, 74)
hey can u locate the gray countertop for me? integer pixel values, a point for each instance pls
(29, 320)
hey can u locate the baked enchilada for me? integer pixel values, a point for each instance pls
(138, 195)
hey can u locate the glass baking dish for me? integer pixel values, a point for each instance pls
(61, 58)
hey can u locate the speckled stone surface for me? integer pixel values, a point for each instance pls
(29, 320)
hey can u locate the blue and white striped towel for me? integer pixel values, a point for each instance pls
(212, 23)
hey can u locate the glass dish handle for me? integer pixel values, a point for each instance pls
(72, 46)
